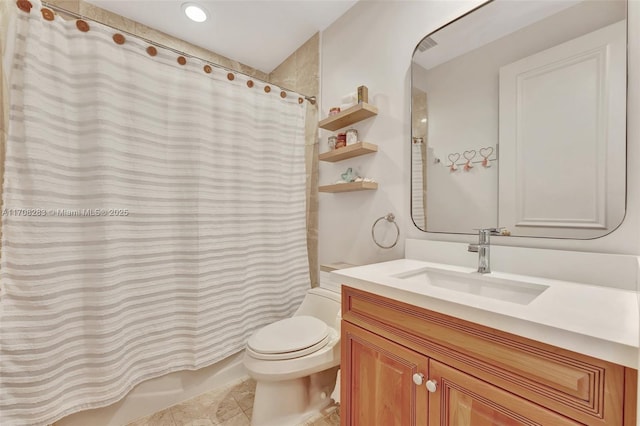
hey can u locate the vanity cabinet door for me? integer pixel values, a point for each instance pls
(377, 385)
(463, 400)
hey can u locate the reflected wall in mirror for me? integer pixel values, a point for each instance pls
(518, 117)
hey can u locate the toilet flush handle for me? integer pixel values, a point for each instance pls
(418, 378)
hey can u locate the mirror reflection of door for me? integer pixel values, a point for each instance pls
(562, 110)
(492, 157)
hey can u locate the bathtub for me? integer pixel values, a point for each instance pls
(157, 394)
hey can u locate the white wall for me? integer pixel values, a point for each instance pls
(463, 116)
(372, 44)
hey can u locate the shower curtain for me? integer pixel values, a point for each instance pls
(153, 215)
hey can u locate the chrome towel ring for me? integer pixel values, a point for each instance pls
(389, 218)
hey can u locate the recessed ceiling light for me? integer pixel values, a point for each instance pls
(194, 12)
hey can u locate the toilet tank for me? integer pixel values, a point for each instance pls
(323, 302)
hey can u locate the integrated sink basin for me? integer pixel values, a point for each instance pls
(483, 285)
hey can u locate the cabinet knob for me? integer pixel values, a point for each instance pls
(432, 385)
(418, 378)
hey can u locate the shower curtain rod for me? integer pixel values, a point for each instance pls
(311, 99)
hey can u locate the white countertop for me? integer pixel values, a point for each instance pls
(602, 322)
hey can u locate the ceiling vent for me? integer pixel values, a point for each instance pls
(426, 44)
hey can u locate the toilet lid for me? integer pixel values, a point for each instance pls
(289, 335)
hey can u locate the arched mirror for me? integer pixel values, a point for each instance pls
(518, 114)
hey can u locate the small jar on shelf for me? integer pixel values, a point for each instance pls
(332, 142)
(352, 136)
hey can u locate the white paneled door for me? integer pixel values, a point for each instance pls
(562, 137)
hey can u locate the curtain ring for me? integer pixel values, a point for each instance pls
(389, 218)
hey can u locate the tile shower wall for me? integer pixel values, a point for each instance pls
(299, 72)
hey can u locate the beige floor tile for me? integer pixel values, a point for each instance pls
(329, 416)
(232, 406)
(189, 411)
(244, 394)
(161, 418)
(322, 422)
(197, 408)
(248, 385)
(333, 418)
(249, 412)
(200, 422)
(311, 422)
(245, 401)
(139, 422)
(225, 410)
(216, 406)
(238, 420)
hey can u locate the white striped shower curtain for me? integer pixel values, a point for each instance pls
(153, 216)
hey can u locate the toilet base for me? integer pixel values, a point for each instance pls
(290, 402)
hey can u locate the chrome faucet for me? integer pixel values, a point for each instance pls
(482, 248)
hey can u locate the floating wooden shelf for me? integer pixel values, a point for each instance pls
(348, 187)
(349, 151)
(349, 116)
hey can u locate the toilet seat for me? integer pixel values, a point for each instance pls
(289, 338)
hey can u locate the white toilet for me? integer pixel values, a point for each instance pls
(294, 361)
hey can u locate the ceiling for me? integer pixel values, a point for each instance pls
(258, 33)
(501, 18)
(484, 25)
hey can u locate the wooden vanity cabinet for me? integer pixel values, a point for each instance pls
(380, 377)
(477, 376)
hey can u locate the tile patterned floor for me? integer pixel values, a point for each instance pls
(231, 406)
